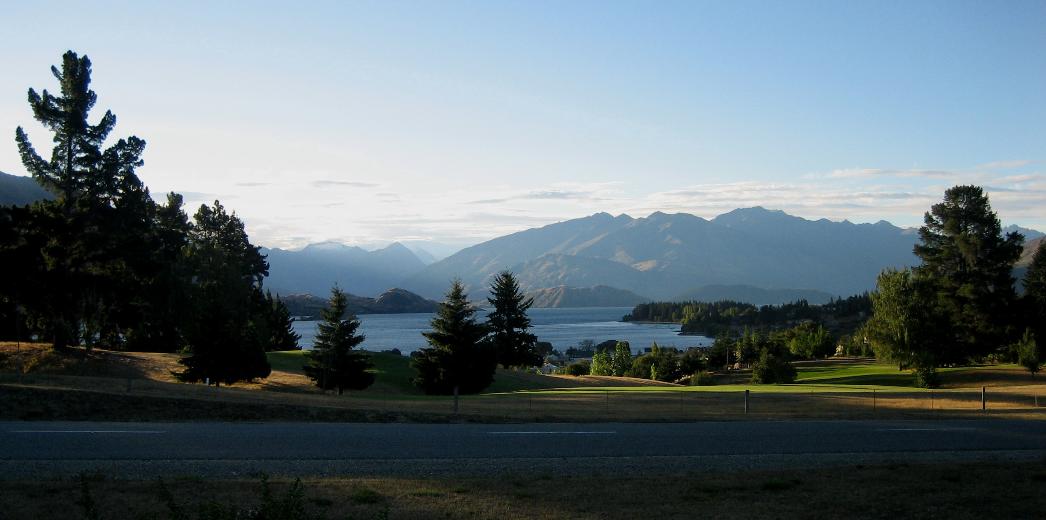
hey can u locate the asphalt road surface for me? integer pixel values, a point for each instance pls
(146, 450)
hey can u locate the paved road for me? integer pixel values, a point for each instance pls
(226, 449)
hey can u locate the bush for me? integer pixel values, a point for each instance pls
(1028, 355)
(702, 378)
(577, 369)
(927, 377)
(692, 361)
(772, 369)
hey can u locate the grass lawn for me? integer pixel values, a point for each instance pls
(952, 491)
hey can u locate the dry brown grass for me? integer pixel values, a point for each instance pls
(953, 491)
(140, 386)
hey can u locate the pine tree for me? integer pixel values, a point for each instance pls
(281, 325)
(333, 362)
(228, 329)
(509, 324)
(458, 360)
(93, 249)
(969, 265)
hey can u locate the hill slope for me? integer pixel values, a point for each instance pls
(753, 295)
(598, 296)
(392, 301)
(19, 191)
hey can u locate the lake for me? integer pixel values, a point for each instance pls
(564, 328)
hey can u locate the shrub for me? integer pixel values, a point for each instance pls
(927, 377)
(1028, 355)
(577, 369)
(772, 369)
(702, 378)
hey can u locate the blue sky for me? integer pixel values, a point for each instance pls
(456, 122)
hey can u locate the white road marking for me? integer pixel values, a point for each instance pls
(148, 432)
(924, 429)
(552, 433)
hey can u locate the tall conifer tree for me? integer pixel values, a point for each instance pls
(281, 325)
(228, 329)
(93, 227)
(509, 324)
(969, 264)
(333, 362)
(458, 360)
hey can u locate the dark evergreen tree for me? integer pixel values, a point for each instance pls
(458, 358)
(333, 362)
(228, 328)
(968, 263)
(90, 251)
(281, 325)
(163, 290)
(1035, 292)
(509, 324)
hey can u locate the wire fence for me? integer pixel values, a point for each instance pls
(590, 404)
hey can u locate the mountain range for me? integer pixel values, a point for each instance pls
(664, 255)
(749, 254)
(317, 267)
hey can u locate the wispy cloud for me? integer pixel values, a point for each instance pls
(542, 195)
(1004, 165)
(857, 173)
(327, 183)
(252, 184)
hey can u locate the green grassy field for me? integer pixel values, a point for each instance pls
(393, 374)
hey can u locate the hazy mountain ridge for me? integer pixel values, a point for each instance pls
(317, 267)
(1029, 234)
(392, 301)
(16, 190)
(664, 254)
(598, 296)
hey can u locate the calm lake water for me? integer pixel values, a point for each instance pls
(564, 328)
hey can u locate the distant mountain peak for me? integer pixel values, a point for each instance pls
(327, 245)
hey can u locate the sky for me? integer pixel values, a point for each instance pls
(456, 122)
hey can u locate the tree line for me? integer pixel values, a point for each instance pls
(104, 265)
(726, 316)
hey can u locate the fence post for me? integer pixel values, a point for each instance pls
(984, 399)
(455, 398)
(873, 400)
(746, 401)
(606, 394)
